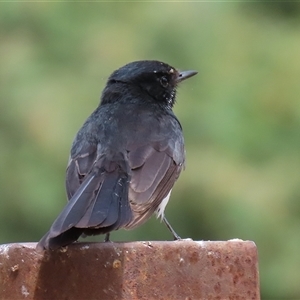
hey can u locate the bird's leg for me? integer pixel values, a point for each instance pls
(106, 239)
(175, 235)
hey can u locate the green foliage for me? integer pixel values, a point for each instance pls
(241, 116)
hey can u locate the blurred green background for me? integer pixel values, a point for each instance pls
(240, 114)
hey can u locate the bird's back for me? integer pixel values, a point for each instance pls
(148, 148)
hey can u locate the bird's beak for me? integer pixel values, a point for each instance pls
(185, 75)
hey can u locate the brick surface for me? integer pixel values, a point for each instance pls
(137, 270)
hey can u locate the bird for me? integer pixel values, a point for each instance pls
(126, 157)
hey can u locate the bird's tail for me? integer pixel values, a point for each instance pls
(100, 205)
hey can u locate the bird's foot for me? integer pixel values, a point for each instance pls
(106, 239)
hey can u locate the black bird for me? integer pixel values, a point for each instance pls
(126, 157)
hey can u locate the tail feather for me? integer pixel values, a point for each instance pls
(76, 207)
(106, 202)
(123, 210)
(100, 205)
(118, 216)
(61, 240)
(112, 214)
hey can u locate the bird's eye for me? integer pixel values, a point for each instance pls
(164, 81)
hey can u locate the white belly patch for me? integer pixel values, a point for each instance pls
(161, 208)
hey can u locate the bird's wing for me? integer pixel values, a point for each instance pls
(79, 166)
(155, 168)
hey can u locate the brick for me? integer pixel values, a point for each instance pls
(183, 269)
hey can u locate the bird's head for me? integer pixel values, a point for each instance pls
(159, 80)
